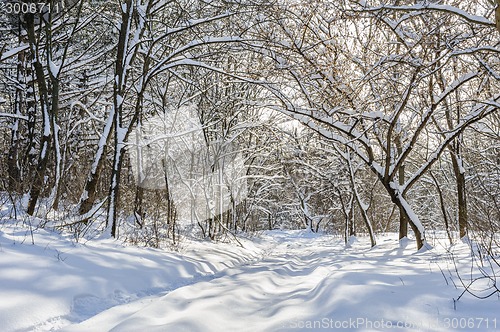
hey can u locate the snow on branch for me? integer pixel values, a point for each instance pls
(478, 112)
(486, 48)
(432, 7)
(12, 52)
(192, 23)
(458, 82)
(164, 64)
(200, 64)
(14, 116)
(425, 118)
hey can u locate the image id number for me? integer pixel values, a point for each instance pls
(18, 8)
(470, 323)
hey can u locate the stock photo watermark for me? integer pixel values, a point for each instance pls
(360, 323)
(174, 151)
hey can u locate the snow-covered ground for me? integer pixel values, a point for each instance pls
(280, 281)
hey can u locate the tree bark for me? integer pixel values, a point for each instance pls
(360, 203)
(46, 140)
(13, 155)
(497, 15)
(89, 195)
(443, 208)
(403, 220)
(461, 194)
(405, 209)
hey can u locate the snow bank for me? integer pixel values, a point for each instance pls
(55, 281)
(284, 281)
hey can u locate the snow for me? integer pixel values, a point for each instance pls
(119, 101)
(14, 116)
(279, 281)
(56, 281)
(455, 85)
(46, 122)
(103, 139)
(54, 69)
(44, 149)
(461, 165)
(13, 52)
(435, 7)
(411, 215)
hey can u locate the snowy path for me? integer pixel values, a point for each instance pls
(282, 281)
(56, 282)
(235, 299)
(306, 283)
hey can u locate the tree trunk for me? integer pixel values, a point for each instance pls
(89, 195)
(443, 208)
(41, 168)
(30, 154)
(171, 211)
(461, 193)
(119, 132)
(13, 155)
(114, 189)
(55, 134)
(407, 211)
(46, 140)
(403, 220)
(497, 15)
(350, 218)
(138, 210)
(363, 208)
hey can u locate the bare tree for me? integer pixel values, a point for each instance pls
(345, 81)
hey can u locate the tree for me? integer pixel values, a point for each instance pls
(344, 80)
(147, 48)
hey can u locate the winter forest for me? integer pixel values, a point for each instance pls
(237, 132)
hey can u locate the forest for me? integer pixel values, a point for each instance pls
(249, 165)
(150, 119)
